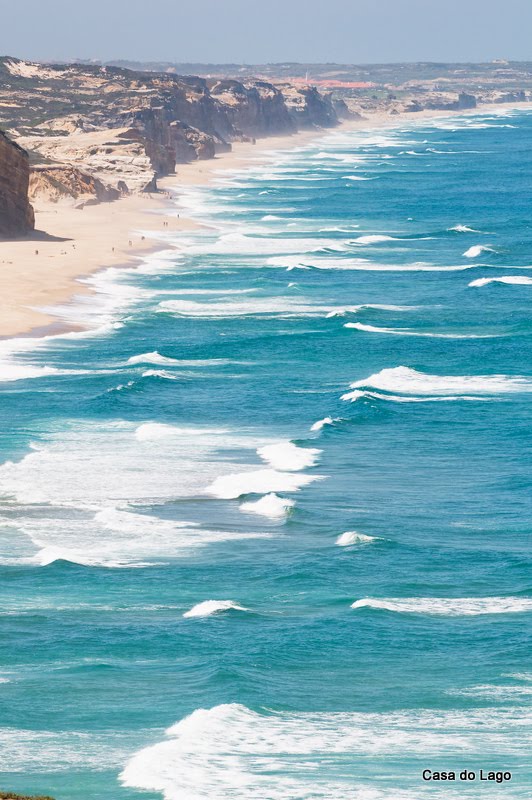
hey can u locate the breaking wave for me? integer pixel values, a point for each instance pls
(262, 481)
(477, 250)
(374, 238)
(271, 505)
(231, 752)
(404, 332)
(449, 607)
(360, 264)
(463, 229)
(210, 607)
(352, 537)
(404, 380)
(517, 280)
(321, 423)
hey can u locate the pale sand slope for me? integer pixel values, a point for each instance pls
(72, 243)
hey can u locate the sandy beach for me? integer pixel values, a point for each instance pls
(69, 243)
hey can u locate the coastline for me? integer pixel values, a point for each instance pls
(71, 243)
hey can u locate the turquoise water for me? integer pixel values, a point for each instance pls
(316, 415)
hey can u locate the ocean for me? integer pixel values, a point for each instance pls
(265, 523)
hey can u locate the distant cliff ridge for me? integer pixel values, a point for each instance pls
(16, 213)
(128, 128)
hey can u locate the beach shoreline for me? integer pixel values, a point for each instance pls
(70, 243)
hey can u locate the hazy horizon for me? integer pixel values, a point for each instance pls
(345, 31)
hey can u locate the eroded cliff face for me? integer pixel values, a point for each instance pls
(16, 213)
(58, 183)
(309, 108)
(255, 110)
(131, 127)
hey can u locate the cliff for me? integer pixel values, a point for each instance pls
(127, 128)
(16, 214)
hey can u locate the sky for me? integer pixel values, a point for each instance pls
(262, 31)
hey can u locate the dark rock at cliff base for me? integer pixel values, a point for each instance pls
(16, 213)
(518, 96)
(466, 101)
(255, 109)
(342, 110)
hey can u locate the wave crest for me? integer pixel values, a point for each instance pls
(448, 607)
(210, 607)
(516, 280)
(405, 380)
(271, 505)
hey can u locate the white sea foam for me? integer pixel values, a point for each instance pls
(160, 373)
(448, 607)
(397, 398)
(113, 538)
(240, 244)
(356, 178)
(352, 537)
(262, 481)
(25, 751)
(14, 365)
(517, 280)
(230, 752)
(520, 676)
(221, 291)
(359, 264)
(101, 309)
(404, 332)
(210, 607)
(288, 457)
(271, 505)
(268, 306)
(341, 312)
(17, 372)
(153, 431)
(339, 229)
(270, 218)
(409, 381)
(92, 480)
(496, 692)
(477, 249)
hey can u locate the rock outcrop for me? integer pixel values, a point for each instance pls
(16, 213)
(466, 100)
(110, 156)
(59, 183)
(308, 107)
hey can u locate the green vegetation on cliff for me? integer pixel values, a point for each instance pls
(12, 796)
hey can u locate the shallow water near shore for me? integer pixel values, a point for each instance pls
(265, 526)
